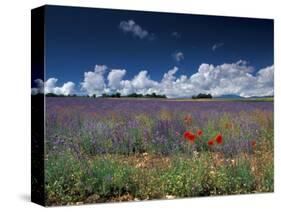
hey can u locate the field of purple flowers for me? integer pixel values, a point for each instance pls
(100, 150)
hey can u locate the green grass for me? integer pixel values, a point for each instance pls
(111, 177)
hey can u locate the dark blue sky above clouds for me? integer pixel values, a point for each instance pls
(77, 39)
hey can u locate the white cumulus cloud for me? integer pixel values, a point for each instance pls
(115, 77)
(50, 86)
(237, 78)
(233, 79)
(216, 46)
(178, 56)
(131, 26)
(226, 79)
(142, 82)
(175, 87)
(67, 88)
(126, 87)
(94, 82)
(39, 89)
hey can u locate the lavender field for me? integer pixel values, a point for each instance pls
(105, 149)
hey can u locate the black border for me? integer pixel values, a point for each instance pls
(37, 106)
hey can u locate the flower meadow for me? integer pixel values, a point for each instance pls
(108, 150)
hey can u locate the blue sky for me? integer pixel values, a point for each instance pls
(78, 39)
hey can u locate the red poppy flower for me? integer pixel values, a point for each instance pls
(199, 132)
(253, 143)
(219, 138)
(189, 136)
(211, 142)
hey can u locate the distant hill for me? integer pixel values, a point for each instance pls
(261, 97)
(233, 96)
(229, 96)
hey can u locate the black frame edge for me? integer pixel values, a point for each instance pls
(37, 106)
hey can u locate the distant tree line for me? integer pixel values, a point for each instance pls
(153, 95)
(114, 95)
(134, 95)
(60, 95)
(202, 96)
